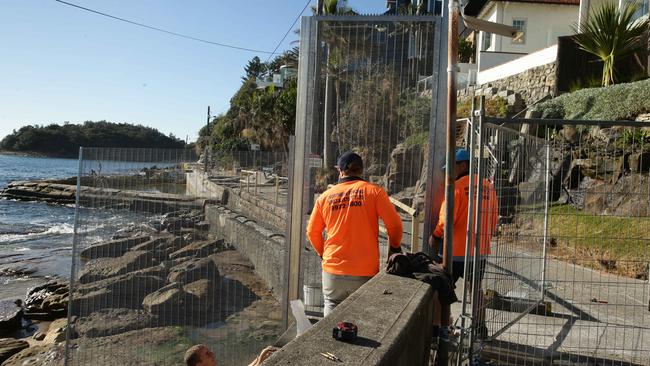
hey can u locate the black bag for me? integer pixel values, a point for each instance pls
(421, 267)
(405, 264)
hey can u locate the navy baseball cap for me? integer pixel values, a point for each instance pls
(461, 155)
(348, 158)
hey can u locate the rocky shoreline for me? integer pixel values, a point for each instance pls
(143, 298)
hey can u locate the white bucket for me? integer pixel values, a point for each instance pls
(313, 296)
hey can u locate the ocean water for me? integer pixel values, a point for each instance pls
(35, 237)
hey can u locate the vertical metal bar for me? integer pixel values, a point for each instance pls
(304, 115)
(547, 183)
(257, 181)
(277, 189)
(477, 224)
(470, 227)
(288, 229)
(450, 178)
(73, 267)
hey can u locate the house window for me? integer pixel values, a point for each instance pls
(520, 26)
(643, 9)
(487, 41)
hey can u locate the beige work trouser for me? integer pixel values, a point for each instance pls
(337, 288)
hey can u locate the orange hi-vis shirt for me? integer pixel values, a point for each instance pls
(489, 215)
(349, 212)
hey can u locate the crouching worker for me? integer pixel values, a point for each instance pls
(349, 213)
(201, 355)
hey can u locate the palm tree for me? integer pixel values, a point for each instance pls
(612, 34)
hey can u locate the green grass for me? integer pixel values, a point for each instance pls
(616, 244)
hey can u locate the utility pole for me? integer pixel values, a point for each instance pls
(207, 143)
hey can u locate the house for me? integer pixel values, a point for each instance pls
(539, 24)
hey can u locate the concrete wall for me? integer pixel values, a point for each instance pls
(263, 247)
(518, 66)
(394, 316)
(196, 184)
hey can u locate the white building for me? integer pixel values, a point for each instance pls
(540, 23)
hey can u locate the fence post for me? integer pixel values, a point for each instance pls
(476, 298)
(248, 183)
(547, 195)
(277, 189)
(470, 226)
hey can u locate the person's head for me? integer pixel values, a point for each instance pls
(462, 163)
(200, 355)
(350, 165)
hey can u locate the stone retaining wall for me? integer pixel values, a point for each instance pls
(532, 85)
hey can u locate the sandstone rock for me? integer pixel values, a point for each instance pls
(102, 268)
(47, 301)
(194, 270)
(108, 322)
(57, 331)
(199, 249)
(639, 162)
(404, 168)
(42, 355)
(39, 336)
(113, 248)
(154, 244)
(170, 304)
(10, 316)
(10, 346)
(126, 291)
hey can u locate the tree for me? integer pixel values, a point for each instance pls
(612, 34)
(254, 69)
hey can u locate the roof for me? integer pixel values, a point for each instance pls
(473, 8)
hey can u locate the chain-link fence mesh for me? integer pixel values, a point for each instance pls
(171, 277)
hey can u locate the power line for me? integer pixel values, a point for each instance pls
(166, 31)
(288, 30)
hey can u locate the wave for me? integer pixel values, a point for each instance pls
(17, 237)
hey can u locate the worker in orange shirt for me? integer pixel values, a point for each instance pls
(489, 214)
(349, 212)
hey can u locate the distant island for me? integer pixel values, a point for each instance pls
(64, 140)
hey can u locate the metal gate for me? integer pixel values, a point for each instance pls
(567, 277)
(367, 84)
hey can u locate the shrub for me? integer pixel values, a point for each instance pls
(616, 102)
(494, 107)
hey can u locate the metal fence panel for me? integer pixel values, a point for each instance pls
(167, 279)
(365, 89)
(567, 279)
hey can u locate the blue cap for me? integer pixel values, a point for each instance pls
(461, 155)
(348, 158)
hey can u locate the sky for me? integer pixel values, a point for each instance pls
(59, 63)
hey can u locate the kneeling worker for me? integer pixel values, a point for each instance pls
(349, 212)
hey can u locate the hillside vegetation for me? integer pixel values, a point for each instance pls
(616, 102)
(65, 140)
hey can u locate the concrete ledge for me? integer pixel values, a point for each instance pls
(394, 327)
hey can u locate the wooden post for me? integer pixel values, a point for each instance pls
(415, 233)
